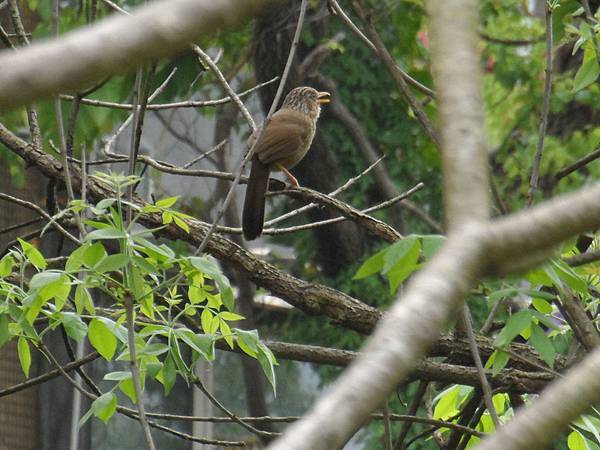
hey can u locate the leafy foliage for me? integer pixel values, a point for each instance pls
(117, 260)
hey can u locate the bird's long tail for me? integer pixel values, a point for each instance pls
(253, 216)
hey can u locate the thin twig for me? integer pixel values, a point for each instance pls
(377, 207)
(375, 226)
(198, 383)
(414, 407)
(32, 115)
(48, 375)
(109, 142)
(390, 64)
(173, 105)
(577, 165)
(20, 225)
(207, 60)
(40, 211)
(132, 413)
(410, 80)
(206, 154)
(535, 170)
(387, 426)
(310, 206)
(135, 373)
(485, 385)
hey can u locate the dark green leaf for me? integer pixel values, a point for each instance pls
(542, 344)
(168, 374)
(74, 326)
(514, 326)
(4, 333)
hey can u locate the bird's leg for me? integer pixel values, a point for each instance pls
(292, 178)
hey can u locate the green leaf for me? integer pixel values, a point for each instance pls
(542, 305)
(6, 265)
(226, 333)
(190, 338)
(247, 341)
(168, 374)
(226, 315)
(105, 406)
(83, 300)
(105, 233)
(24, 355)
(117, 376)
(181, 224)
(587, 73)
(207, 344)
(500, 361)
(514, 326)
(404, 267)
(112, 263)
(396, 253)
(4, 333)
(372, 265)
(209, 267)
(431, 244)
(502, 293)
(576, 441)
(93, 254)
(568, 275)
(41, 279)
(102, 338)
(74, 326)
(128, 388)
(105, 203)
(447, 406)
(542, 344)
(166, 202)
(33, 255)
(76, 258)
(206, 319)
(267, 362)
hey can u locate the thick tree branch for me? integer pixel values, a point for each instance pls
(118, 43)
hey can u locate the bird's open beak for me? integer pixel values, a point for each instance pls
(323, 98)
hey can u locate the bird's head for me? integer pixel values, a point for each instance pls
(307, 100)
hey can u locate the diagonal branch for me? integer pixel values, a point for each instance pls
(118, 43)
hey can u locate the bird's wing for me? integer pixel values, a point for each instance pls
(286, 134)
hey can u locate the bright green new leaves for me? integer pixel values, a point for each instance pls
(103, 408)
(33, 255)
(165, 287)
(590, 69)
(6, 265)
(102, 337)
(209, 267)
(449, 401)
(398, 261)
(24, 355)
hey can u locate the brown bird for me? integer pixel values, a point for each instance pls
(283, 144)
